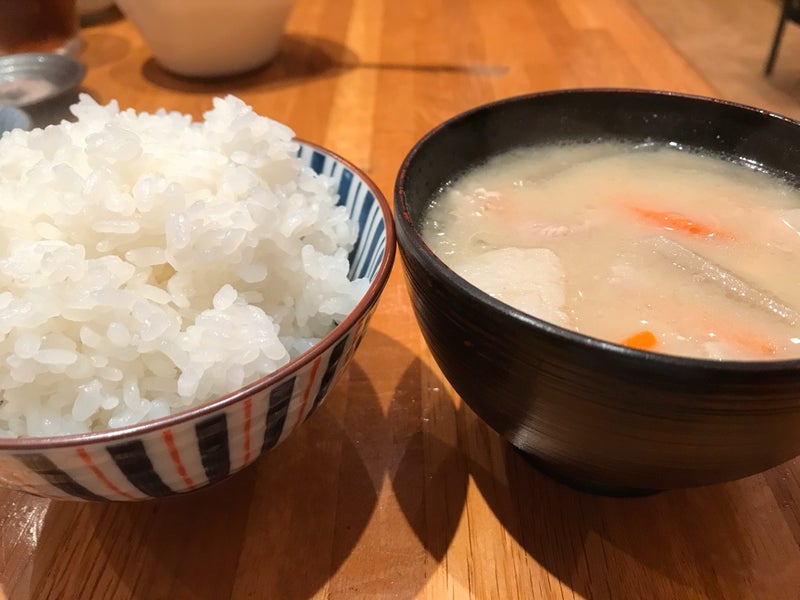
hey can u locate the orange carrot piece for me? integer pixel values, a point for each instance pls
(677, 222)
(750, 341)
(729, 332)
(733, 334)
(644, 340)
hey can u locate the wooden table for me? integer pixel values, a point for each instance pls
(395, 489)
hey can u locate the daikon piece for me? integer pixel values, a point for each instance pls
(529, 279)
(703, 269)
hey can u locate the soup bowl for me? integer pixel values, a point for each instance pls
(206, 444)
(597, 415)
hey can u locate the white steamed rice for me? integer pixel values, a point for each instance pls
(149, 263)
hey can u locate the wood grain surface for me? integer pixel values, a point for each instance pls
(394, 489)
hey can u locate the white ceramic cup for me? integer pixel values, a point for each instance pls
(209, 38)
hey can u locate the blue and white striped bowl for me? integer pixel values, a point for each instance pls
(200, 446)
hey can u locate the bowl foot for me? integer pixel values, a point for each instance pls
(588, 486)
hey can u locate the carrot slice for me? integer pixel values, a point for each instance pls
(644, 340)
(676, 222)
(749, 341)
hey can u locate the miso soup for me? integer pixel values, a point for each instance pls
(657, 248)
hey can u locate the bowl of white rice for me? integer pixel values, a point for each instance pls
(177, 296)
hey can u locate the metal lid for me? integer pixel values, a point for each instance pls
(28, 79)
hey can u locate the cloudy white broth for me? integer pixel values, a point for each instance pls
(656, 248)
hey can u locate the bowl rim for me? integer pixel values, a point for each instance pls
(404, 225)
(364, 305)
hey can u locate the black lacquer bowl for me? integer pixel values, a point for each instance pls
(597, 415)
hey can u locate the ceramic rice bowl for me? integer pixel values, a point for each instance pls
(203, 445)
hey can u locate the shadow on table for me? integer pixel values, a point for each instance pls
(53, 111)
(299, 58)
(676, 544)
(668, 545)
(787, 84)
(279, 529)
(431, 480)
(100, 17)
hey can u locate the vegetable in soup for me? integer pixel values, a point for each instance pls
(657, 248)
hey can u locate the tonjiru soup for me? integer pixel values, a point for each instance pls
(659, 248)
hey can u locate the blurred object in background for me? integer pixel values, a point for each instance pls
(12, 118)
(209, 38)
(790, 13)
(30, 78)
(90, 7)
(94, 12)
(44, 84)
(38, 26)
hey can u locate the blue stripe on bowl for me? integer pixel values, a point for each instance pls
(212, 440)
(359, 203)
(317, 161)
(365, 205)
(372, 269)
(344, 183)
(134, 462)
(376, 236)
(362, 206)
(279, 399)
(330, 371)
(47, 470)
